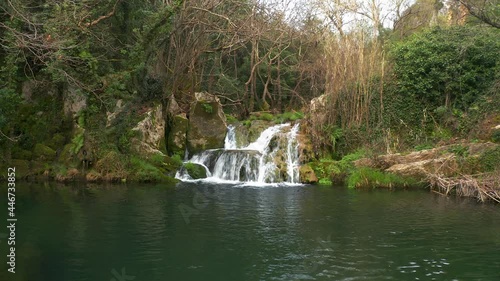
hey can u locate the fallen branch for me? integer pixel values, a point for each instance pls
(484, 186)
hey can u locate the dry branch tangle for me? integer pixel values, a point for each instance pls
(484, 186)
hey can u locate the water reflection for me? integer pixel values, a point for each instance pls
(242, 233)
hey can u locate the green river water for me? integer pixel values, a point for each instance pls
(195, 231)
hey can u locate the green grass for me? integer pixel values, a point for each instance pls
(77, 142)
(231, 119)
(329, 171)
(459, 150)
(371, 178)
(495, 136)
(145, 171)
(421, 147)
(266, 116)
(490, 160)
(325, 181)
(289, 116)
(208, 108)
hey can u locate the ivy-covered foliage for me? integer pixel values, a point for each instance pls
(449, 67)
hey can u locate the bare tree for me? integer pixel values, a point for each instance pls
(487, 11)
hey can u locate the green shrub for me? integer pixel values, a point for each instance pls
(231, 119)
(176, 159)
(457, 64)
(44, 152)
(347, 161)
(459, 150)
(325, 181)
(77, 142)
(441, 134)
(266, 116)
(144, 171)
(495, 136)
(490, 160)
(208, 108)
(289, 116)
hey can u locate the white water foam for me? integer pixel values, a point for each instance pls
(254, 164)
(230, 140)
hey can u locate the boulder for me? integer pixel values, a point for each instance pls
(307, 174)
(241, 133)
(306, 151)
(207, 124)
(22, 168)
(111, 116)
(151, 132)
(176, 139)
(173, 107)
(195, 171)
(256, 128)
(444, 160)
(318, 109)
(44, 152)
(74, 101)
(420, 169)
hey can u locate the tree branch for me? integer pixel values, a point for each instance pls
(99, 19)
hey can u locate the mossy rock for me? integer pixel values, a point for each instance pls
(22, 168)
(196, 171)
(57, 141)
(144, 170)
(256, 128)
(173, 163)
(44, 152)
(207, 130)
(39, 167)
(19, 153)
(176, 139)
(307, 175)
(306, 151)
(67, 157)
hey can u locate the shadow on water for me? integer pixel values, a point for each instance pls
(202, 231)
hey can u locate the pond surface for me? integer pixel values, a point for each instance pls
(225, 232)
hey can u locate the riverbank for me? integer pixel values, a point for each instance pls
(468, 169)
(462, 169)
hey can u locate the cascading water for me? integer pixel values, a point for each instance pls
(272, 158)
(293, 155)
(230, 141)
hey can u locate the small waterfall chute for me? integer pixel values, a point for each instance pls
(260, 162)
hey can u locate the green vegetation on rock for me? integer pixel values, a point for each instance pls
(196, 171)
(44, 152)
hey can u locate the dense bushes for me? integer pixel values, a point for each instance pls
(447, 67)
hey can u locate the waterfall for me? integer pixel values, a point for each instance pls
(293, 155)
(272, 158)
(230, 141)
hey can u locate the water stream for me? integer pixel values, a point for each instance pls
(272, 158)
